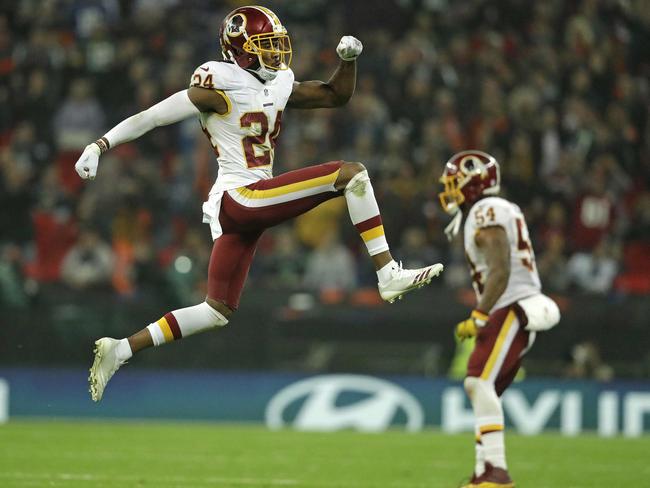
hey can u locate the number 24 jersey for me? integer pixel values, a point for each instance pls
(524, 279)
(244, 138)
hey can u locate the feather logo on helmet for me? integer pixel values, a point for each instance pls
(472, 165)
(236, 25)
(468, 176)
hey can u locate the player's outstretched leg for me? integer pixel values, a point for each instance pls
(394, 281)
(110, 353)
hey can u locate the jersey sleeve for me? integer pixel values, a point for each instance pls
(490, 212)
(214, 75)
(291, 76)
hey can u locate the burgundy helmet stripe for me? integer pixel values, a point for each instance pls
(273, 19)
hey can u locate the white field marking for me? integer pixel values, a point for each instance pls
(178, 481)
(175, 480)
(34, 479)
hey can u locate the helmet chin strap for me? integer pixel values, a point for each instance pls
(264, 73)
(261, 71)
(453, 227)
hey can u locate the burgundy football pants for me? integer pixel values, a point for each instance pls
(246, 212)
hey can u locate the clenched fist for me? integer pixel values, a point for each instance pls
(87, 163)
(469, 327)
(349, 48)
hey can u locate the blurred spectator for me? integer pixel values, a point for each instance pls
(639, 229)
(89, 263)
(636, 276)
(558, 93)
(284, 266)
(186, 273)
(455, 275)
(594, 272)
(80, 118)
(330, 266)
(322, 220)
(12, 287)
(16, 198)
(593, 215)
(586, 363)
(554, 224)
(552, 265)
(415, 251)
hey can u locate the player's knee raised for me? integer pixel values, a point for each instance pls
(354, 168)
(470, 384)
(353, 175)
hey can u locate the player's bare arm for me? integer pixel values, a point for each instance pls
(207, 100)
(493, 241)
(338, 89)
(333, 93)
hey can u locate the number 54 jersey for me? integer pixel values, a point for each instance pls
(244, 137)
(524, 280)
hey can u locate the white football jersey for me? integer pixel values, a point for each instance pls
(244, 138)
(524, 280)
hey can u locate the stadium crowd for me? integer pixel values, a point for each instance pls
(556, 90)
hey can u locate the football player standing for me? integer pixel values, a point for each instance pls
(510, 306)
(239, 102)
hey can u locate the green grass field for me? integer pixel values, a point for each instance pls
(190, 455)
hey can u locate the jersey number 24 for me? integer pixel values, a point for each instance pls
(250, 143)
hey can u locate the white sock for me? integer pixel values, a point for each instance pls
(123, 350)
(364, 213)
(489, 420)
(494, 448)
(479, 467)
(384, 273)
(185, 322)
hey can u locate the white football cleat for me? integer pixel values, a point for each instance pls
(403, 281)
(104, 366)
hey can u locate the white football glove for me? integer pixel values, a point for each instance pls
(349, 48)
(87, 163)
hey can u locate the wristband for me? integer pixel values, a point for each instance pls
(480, 318)
(103, 145)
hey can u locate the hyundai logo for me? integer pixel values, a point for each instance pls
(377, 404)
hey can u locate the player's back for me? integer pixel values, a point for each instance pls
(244, 138)
(524, 279)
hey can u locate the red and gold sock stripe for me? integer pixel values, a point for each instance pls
(370, 229)
(488, 429)
(169, 327)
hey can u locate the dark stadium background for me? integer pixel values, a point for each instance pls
(556, 90)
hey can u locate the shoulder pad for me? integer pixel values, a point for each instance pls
(216, 75)
(491, 211)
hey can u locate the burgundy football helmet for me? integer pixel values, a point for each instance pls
(254, 38)
(468, 176)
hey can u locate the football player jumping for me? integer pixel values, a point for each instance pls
(239, 102)
(510, 308)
